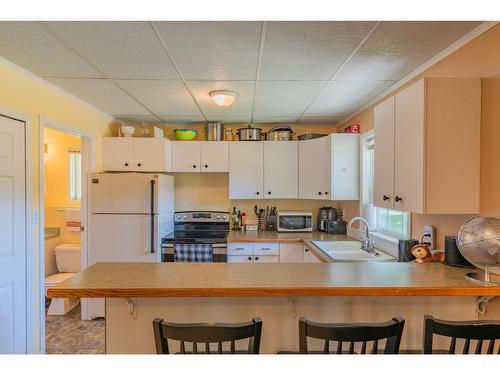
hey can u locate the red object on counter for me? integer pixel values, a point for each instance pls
(354, 128)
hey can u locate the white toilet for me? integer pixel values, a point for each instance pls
(68, 263)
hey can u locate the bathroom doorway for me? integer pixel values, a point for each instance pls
(65, 161)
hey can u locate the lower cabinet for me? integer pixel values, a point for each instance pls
(258, 252)
(291, 253)
(310, 257)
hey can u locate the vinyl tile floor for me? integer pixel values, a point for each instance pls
(69, 334)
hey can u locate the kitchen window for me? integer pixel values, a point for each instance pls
(75, 174)
(392, 223)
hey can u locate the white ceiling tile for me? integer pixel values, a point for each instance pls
(320, 120)
(284, 98)
(397, 48)
(118, 49)
(101, 93)
(138, 119)
(213, 50)
(162, 97)
(182, 119)
(341, 98)
(308, 50)
(241, 107)
(31, 46)
(274, 119)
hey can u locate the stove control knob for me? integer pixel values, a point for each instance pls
(224, 217)
(218, 217)
(179, 217)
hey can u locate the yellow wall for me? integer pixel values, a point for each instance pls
(479, 58)
(56, 164)
(22, 93)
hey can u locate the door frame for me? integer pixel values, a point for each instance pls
(33, 340)
(88, 142)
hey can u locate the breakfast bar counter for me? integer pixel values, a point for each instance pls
(137, 293)
(109, 280)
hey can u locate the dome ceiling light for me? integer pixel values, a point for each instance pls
(223, 98)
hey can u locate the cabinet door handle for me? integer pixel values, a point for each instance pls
(139, 164)
(249, 258)
(240, 248)
(194, 165)
(206, 165)
(266, 248)
(326, 193)
(126, 164)
(320, 193)
(397, 199)
(386, 198)
(258, 193)
(256, 258)
(306, 250)
(269, 192)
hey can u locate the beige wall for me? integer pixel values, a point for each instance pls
(479, 58)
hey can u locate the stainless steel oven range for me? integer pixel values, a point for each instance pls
(198, 227)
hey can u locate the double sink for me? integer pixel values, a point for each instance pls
(350, 251)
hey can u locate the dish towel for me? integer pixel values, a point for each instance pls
(193, 252)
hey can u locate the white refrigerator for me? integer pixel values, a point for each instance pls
(129, 213)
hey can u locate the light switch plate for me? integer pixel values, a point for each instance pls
(429, 236)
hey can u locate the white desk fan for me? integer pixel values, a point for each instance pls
(479, 242)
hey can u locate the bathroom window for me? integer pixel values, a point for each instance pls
(386, 221)
(75, 175)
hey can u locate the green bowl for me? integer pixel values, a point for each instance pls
(185, 134)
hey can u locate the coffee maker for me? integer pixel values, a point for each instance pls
(325, 215)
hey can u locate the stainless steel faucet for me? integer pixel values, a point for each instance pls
(367, 245)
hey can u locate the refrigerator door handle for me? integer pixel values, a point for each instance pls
(152, 213)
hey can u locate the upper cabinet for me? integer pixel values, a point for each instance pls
(246, 170)
(127, 154)
(281, 174)
(427, 147)
(199, 156)
(329, 167)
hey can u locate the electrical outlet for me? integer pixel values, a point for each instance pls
(429, 236)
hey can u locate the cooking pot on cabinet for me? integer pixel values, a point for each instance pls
(280, 133)
(249, 133)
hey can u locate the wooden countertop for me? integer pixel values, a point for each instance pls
(124, 280)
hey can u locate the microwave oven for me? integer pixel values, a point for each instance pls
(294, 222)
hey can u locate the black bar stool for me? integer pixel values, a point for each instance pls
(467, 330)
(352, 333)
(205, 333)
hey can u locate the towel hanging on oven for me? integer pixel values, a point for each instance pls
(193, 252)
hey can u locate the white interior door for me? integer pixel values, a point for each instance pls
(281, 177)
(13, 237)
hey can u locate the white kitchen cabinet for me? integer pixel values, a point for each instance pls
(329, 167)
(313, 169)
(214, 156)
(266, 248)
(240, 259)
(281, 170)
(383, 119)
(237, 248)
(435, 167)
(310, 257)
(343, 151)
(291, 253)
(246, 170)
(186, 156)
(266, 259)
(131, 154)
